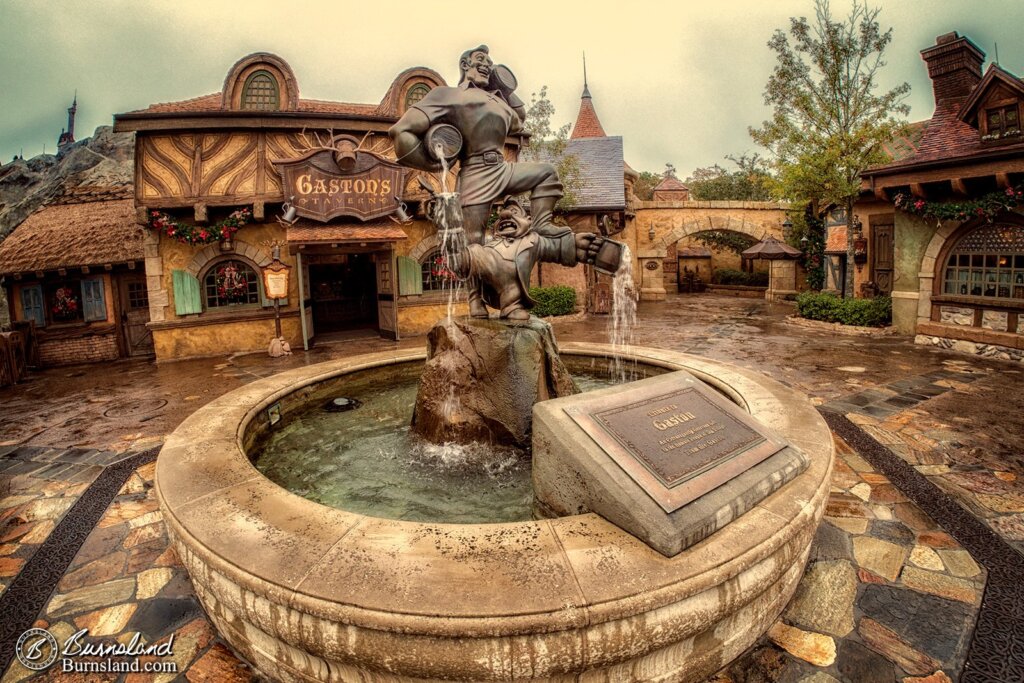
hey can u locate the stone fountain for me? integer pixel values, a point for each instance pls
(674, 514)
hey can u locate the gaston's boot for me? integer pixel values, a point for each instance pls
(542, 209)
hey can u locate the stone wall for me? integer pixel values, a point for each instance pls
(85, 349)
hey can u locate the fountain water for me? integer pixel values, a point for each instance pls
(623, 316)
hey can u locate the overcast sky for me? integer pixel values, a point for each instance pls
(680, 81)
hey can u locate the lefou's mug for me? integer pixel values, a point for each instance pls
(609, 257)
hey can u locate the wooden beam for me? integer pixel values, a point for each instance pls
(1003, 180)
(108, 266)
(259, 211)
(142, 215)
(959, 187)
(880, 194)
(39, 274)
(17, 276)
(200, 213)
(131, 265)
(85, 270)
(917, 189)
(60, 271)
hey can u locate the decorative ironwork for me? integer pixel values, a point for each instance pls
(28, 593)
(996, 650)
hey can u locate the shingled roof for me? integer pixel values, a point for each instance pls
(603, 171)
(98, 231)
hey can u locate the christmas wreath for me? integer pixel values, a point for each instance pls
(65, 304)
(988, 206)
(197, 234)
(232, 284)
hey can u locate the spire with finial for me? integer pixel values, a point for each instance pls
(587, 123)
(586, 90)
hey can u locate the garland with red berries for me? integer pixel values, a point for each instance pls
(988, 207)
(199, 234)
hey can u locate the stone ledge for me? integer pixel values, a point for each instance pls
(840, 328)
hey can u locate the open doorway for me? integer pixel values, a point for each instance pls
(344, 294)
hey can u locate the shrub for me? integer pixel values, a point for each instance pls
(728, 276)
(825, 306)
(557, 300)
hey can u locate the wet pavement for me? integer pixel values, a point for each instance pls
(890, 594)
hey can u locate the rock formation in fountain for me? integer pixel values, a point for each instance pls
(482, 378)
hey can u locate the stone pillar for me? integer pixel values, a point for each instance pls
(781, 279)
(652, 277)
(159, 298)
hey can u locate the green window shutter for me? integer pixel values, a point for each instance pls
(187, 298)
(410, 279)
(93, 305)
(32, 304)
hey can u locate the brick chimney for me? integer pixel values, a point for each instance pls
(954, 65)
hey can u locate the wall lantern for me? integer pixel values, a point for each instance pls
(860, 244)
(787, 229)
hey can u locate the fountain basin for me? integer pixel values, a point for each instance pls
(306, 592)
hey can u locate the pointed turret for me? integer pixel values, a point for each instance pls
(587, 123)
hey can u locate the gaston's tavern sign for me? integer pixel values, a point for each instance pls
(325, 183)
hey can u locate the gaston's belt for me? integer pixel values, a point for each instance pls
(484, 159)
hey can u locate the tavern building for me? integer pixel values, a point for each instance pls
(254, 150)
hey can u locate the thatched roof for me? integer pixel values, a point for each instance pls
(74, 234)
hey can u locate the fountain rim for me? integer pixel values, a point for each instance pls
(204, 469)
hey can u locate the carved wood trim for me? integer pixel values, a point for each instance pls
(226, 166)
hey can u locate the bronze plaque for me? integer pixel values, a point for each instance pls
(677, 442)
(322, 191)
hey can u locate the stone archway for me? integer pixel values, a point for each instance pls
(670, 230)
(212, 251)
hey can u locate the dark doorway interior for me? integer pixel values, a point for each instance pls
(344, 294)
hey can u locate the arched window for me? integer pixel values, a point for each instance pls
(260, 92)
(435, 275)
(416, 93)
(987, 262)
(231, 283)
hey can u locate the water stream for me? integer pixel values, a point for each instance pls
(623, 317)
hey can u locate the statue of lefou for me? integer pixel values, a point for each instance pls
(503, 264)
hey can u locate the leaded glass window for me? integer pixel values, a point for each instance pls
(230, 283)
(416, 93)
(260, 92)
(987, 262)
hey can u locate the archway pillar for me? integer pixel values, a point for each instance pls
(781, 279)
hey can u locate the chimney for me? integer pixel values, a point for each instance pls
(954, 65)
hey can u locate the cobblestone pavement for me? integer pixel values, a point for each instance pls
(889, 594)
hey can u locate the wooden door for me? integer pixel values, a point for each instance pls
(138, 339)
(387, 304)
(882, 256)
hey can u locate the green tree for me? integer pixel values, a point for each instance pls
(549, 144)
(751, 181)
(828, 123)
(643, 187)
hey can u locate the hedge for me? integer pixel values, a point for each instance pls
(825, 306)
(557, 300)
(728, 276)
